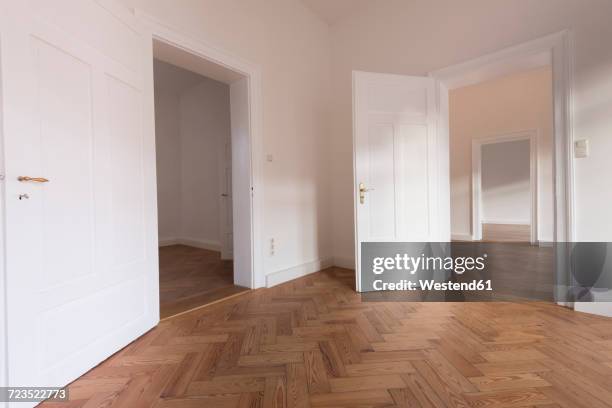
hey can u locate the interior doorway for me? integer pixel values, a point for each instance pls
(202, 128)
(502, 170)
(505, 188)
(501, 162)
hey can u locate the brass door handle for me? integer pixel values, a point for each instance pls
(34, 179)
(362, 191)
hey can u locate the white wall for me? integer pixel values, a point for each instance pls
(505, 180)
(168, 149)
(416, 37)
(291, 46)
(513, 103)
(205, 126)
(192, 121)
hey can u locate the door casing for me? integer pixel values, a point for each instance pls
(529, 135)
(157, 31)
(556, 50)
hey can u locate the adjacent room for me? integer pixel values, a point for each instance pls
(202, 140)
(193, 140)
(501, 166)
(501, 176)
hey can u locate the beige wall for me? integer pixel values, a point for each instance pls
(291, 45)
(419, 36)
(513, 103)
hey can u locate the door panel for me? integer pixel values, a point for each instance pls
(64, 112)
(382, 202)
(397, 157)
(411, 166)
(81, 251)
(126, 174)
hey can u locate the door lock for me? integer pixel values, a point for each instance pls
(362, 191)
(34, 179)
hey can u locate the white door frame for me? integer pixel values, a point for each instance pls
(555, 50)
(3, 311)
(162, 32)
(477, 144)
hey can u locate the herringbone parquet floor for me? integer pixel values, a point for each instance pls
(191, 277)
(313, 343)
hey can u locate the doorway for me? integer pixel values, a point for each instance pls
(202, 128)
(501, 161)
(396, 109)
(505, 188)
(502, 172)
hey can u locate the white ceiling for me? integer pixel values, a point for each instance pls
(190, 62)
(334, 10)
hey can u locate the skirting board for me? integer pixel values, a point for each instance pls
(196, 243)
(285, 275)
(461, 237)
(347, 263)
(596, 308)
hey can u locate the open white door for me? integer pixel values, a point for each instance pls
(81, 250)
(401, 165)
(242, 192)
(225, 200)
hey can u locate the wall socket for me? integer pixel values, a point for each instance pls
(272, 247)
(581, 148)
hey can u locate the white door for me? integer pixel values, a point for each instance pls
(225, 200)
(401, 166)
(81, 250)
(242, 192)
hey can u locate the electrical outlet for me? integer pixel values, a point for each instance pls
(272, 249)
(581, 148)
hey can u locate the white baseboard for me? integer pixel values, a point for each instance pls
(285, 275)
(162, 242)
(461, 237)
(196, 243)
(597, 308)
(347, 263)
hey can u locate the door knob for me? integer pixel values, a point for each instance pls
(34, 179)
(362, 191)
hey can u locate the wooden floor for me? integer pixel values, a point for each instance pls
(313, 343)
(519, 270)
(190, 277)
(506, 233)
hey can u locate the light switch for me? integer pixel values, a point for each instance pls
(269, 158)
(581, 148)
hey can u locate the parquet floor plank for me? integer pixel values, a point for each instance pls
(313, 342)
